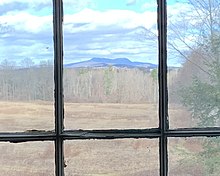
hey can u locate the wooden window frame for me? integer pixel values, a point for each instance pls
(59, 135)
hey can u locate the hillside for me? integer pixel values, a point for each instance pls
(106, 62)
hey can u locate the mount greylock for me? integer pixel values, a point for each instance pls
(106, 62)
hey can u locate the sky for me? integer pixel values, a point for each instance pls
(92, 28)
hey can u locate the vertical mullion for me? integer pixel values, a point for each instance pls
(163, 93)
(58, 79)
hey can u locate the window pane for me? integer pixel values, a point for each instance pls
(112, 157)
(194, 156)
(194, 63)
(26, 65)
(31, 158)
(110, 64)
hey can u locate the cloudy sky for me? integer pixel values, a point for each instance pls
(92, 28)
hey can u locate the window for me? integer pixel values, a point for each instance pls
(73, 151)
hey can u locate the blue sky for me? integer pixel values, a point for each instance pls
(92, 28)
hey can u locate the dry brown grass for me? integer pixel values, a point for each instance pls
(112, 158)
(31, 158)
(21, 116)
(134, 157)
(105, 116)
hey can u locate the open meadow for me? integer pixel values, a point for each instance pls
(124, 157)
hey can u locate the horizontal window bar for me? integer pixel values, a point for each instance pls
(193, 132)
(41, 135)
(32, 135)
(139, 133)
(111, 134)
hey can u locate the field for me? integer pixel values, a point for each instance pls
(93, 157)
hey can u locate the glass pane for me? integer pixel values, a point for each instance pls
(112, 157)
(194, 63)
(26, 65)
(194, 156)
(31, 158)
(110, 64)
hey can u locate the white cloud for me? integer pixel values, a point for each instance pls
(88, 33)
(120, 18)
(112, 33)
(23, 21)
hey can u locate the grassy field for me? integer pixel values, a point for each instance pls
(92, 157)
(21, 116)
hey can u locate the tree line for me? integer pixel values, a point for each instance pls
(100, 85)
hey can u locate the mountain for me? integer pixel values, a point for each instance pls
(106, 62)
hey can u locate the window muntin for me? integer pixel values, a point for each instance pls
(26, 66)
(162, 133)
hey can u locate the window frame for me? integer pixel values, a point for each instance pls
(59, 135)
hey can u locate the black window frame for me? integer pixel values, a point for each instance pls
(60, 135)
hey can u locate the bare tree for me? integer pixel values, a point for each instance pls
(27, 63)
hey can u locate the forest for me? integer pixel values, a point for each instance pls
(100, 85)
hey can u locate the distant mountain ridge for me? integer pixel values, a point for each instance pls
(106, 62)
